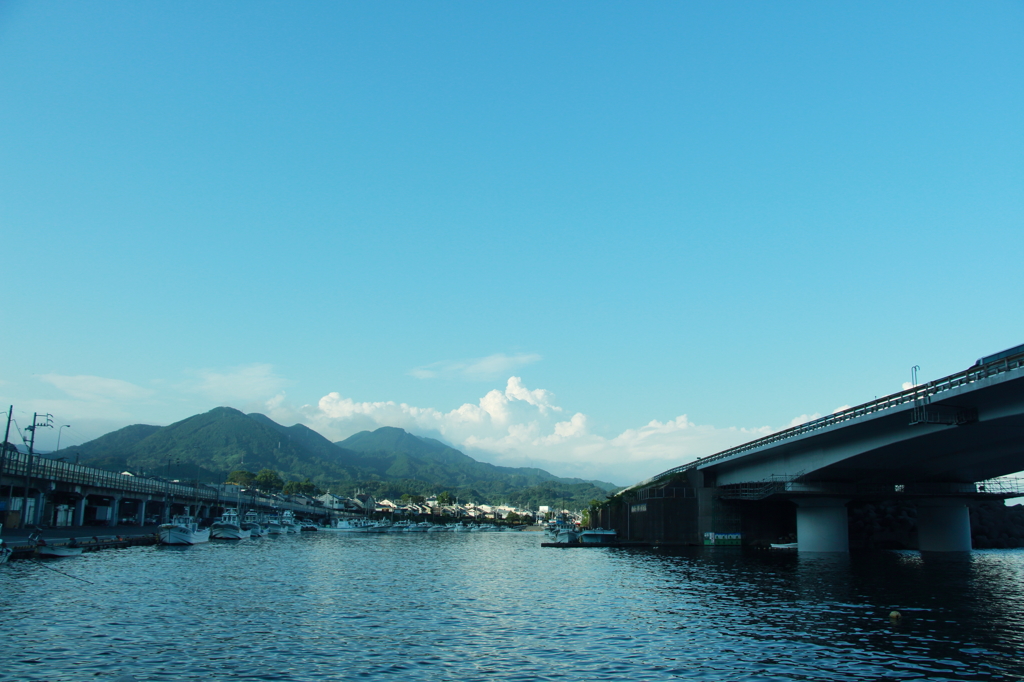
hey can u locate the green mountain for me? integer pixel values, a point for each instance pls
(411, 456)
(213, 444)
(387, 462)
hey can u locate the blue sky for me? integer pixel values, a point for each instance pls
(602, 238)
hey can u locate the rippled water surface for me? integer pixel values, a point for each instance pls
(458, 606)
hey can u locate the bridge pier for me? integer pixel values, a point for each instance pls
(115, 510)
(822, 525)
(943, 525)
(79, 514)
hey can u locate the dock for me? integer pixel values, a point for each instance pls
(24, 548)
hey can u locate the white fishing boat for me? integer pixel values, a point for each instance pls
(229, 527)
(273, 526)
(351, 526)
(251, 524)
(183, 530)
(288, 522)
(597, 536)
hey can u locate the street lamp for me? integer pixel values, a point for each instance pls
(65, 426)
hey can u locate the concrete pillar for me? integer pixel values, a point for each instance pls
(943, 525)
(79, 516)
(115, 511)
(141, 518)
(38, 511)
(822, 525)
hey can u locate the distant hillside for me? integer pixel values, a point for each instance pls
(215, 443)
(386, 463)
(411, 456)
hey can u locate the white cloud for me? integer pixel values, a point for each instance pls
(803, 419)
(96, 389)
(476, 369)
(518, 426)
(247, 384)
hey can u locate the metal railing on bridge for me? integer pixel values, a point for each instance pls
(17, 465)
(791, 485)
(919, 396)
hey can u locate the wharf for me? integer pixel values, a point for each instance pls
(112, 538)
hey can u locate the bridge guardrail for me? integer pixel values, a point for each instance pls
(920, 395)
(759, 490)
(16, 464)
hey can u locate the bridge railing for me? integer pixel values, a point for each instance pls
(918, 395)
(17, 465)
(775, 485)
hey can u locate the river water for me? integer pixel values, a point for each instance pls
(497, 606)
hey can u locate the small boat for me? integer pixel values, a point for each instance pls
(273, 526)
(5, 552)
(251, 524)
(70, 548)
(784, 545)
(597, 536)
(229, 528)
(352, 526)
(567, 536)
(288, 522)
(183, 530)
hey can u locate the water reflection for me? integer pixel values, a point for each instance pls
(473, 607)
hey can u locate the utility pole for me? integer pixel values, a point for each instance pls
(47, 423)
(3, 457)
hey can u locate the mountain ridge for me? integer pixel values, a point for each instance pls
(386, 462)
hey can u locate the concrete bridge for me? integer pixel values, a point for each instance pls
(54, 493)
(939, 444)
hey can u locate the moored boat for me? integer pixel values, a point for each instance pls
(273, 526)
(229, 528)
(352, 526)
(5, 552)
(183, 530)
(288, 522)
(567, 535)
(43, 548)
(251, 524)
(597, 536)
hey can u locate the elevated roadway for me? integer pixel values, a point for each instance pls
(937, 442)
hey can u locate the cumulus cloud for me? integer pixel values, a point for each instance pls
(519, 426)
(803, 419)
(476, 369)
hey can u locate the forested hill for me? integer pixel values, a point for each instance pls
(427, 457)
(385, 462)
